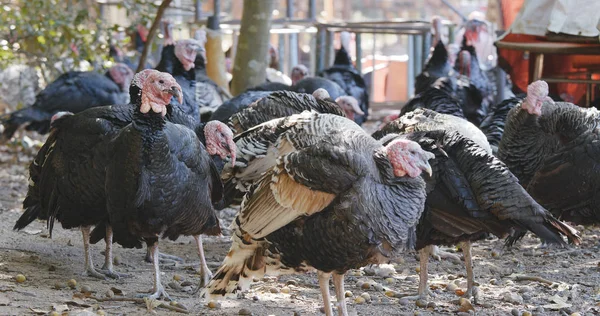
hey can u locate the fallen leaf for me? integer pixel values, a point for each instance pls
(39, 311)
(4, 300)
(151, 304)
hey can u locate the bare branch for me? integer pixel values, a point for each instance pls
(159, 13)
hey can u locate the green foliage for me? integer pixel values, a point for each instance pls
(42, 33)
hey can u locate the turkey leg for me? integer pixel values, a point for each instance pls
(157, 290)
(466, 248)
(163, 257)
(340, 294)
(324, 285)
(107, 269)
(423, 290)
(89, 263)
(205, 274)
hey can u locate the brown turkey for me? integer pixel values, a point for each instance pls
(553, 148)
(332, 199)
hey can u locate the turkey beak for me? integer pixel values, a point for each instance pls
(176, 92)
(424, 163)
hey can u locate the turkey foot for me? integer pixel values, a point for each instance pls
(89, 263)
(440, 254)
(164, 257)
(203, 270)
(424, 292)
(158, 290)
(107, 269)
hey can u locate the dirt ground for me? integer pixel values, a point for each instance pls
(570, 281)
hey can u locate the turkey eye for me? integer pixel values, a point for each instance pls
(161, 81)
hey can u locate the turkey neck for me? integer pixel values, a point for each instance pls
(149, 124)
(524, 145)
(170, 63)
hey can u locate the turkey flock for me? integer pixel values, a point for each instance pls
(315, 191)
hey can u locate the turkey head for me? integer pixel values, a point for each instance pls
(157, 90)
(350, 106)
(537, 93)
(408, 158)
(121, 75)
(219, 140)
(298, 73)
(185, 51)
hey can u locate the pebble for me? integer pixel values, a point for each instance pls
(451, 287)
(274, 290)
(404, 301)
(526, 296)
(431, 305)
(255, 298)
(109, 294)
(244, 311)
(285, 290)
(575, 314)
(359, 300)
(513, 298)
(20, 278)
(85, 288)
(365, 286)
(116, 260)
(58, 285)
(72, 283)
(54, 313)
(526, 313)
(515, 312)
(565, 264)
(418, 269)
(421, 303)
(390, 280)
(366, 296)
(177, 277)
(348, 294)
(100, 312)
(390, 293)
(378, 287)
(213, 304)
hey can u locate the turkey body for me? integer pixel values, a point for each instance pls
(328, 200)
(311, 84)
(169, 63)
(74, 92)
(437, 66)
(233, 105)
(493, 124)
(350, 80)
(555, 155)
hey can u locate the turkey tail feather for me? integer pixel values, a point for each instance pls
(30, 214)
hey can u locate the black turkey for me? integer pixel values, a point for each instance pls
(332, 199)
(438, 100)
(493, 124)
(348, 78)
(74, 92)
(438, 64)
(284, 103)
(552, 147)
(232, 106)
(161, 180)
(471, 194)
(477, 96)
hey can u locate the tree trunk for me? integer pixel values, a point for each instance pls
(249, 68)
(159, 13)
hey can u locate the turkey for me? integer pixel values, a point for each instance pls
(493, 124)
(437, 65)
(427, 120)
(552, 147)
(348, 78)
(232, 106)
(311, 84)
(178, 59)
(284, 103)
(436, 99)
(298, 73)
(73, 91)
(471, 194)
(161, 180)
(332, 199)
(209, 96)
(271, 86)
(477, 95)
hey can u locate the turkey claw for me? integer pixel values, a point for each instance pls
(156, 295)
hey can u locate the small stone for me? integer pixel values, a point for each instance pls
(54, 313)
(100, 312)
(494, 282)
(213, 304)
(515, 312)
(418, 269)
(365, 286)
(292, 282)
(58, 285)
(378, 287)
(244, 311)
(116, 260)
(51, 268)
(109, 294)
(451, 287)
(526, 313)
(72, 283)
(20, 278)
(177, 277)
(285, 290)
(390, 280)
(390, 293)
(273, 290)
(173, 303)
(359, 300)
(366, 296)
(348, 294)
(421, 303)
(255, 298)
(431, 305)
(513, 298)
(85, 289)
(576, 314)
(404, 301)
(451, 277)
(495, 254)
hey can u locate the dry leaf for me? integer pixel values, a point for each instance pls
(151, 304)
